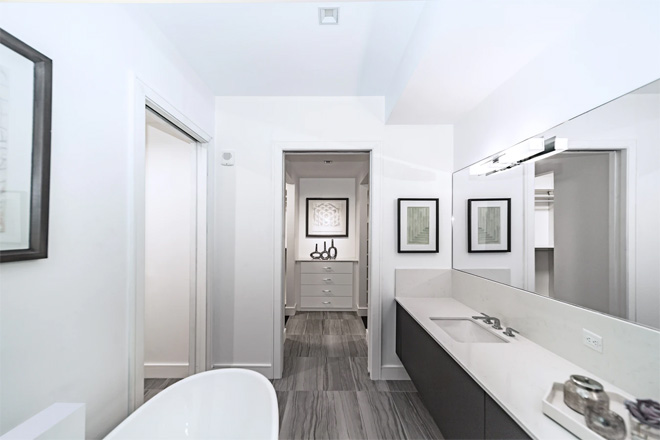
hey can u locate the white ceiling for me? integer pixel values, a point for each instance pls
(432, 60)
(279, 49)
(353, 165)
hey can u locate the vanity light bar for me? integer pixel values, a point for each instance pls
(529, 151)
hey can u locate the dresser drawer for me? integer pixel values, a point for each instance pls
(326, 279)
(324, 290)
(326, 267)
(316, 302)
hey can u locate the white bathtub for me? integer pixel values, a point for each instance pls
(219, 404)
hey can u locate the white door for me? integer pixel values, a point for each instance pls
(170, 249)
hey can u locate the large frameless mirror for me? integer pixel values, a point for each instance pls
(572, 214)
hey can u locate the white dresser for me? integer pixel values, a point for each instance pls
(326, 285)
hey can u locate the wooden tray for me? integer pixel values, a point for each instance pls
(555, 408)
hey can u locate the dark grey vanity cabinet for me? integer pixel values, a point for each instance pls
(457, 403)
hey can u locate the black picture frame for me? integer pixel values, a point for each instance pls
(311, 234)
(41, 151)
(471, 248)
(434, 244)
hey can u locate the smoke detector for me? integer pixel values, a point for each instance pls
(328, 15)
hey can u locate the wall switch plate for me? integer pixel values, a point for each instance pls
(592, 340)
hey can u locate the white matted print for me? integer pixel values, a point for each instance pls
(327, 217)
(417, 225)
(489, 225)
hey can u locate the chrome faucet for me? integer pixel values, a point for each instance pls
(510, 332)
(487, 319)
(496, 323)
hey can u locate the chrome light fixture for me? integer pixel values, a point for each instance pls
(529, 151)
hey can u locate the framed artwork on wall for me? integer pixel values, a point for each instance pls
(326, 217)
(489, 225)
(417, 226)
(25, 122)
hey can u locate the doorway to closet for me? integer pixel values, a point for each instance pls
(326, 264)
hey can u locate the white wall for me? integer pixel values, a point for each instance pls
(64, 318)
(169, 244)
(347, 248)
(417, 162)
(610, 54)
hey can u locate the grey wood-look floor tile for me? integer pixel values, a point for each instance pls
(308, 373)
(154, 384)
(379, 416)
(303, 346)
(332, 326)
(423, 412)
(332, 315)
(356, 327)
(349, 420)
(415, 424)
(296, 326)
(362, 380)
(309, 415)
(337, 375)
(314, 327)
(347, 315)
(282, 397)
(404, 386)
(334, 346)
(316, 315)
(357, 346)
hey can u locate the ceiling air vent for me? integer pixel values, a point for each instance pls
(328, 15)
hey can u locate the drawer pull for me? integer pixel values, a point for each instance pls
(327, 268)
(327, 291)
(327, 279)
(327, 302)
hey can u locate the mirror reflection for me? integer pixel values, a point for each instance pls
(584, 208)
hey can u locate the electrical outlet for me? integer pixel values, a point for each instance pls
(592, 340)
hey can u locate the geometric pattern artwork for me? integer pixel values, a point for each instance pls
(327, 214)
(418, 224)
(326, 217)
(489, 225)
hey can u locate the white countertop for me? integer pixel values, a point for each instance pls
(518, 374)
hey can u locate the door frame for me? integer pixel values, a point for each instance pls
(624, 249)
(146, 97)
(375, 239)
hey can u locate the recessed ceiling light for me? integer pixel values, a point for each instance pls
(328, 15)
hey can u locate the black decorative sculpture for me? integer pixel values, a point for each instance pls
(332, 252)
(316, 255)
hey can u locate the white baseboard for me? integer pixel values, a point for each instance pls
(288, 311)
(363, 311)
(393, 372)
(265, 369)
(166, 371)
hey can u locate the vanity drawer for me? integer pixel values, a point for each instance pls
(330, 291)
(326, 267)
(326, 279)
(319, 302)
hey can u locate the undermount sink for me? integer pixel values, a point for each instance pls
(466, 330)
